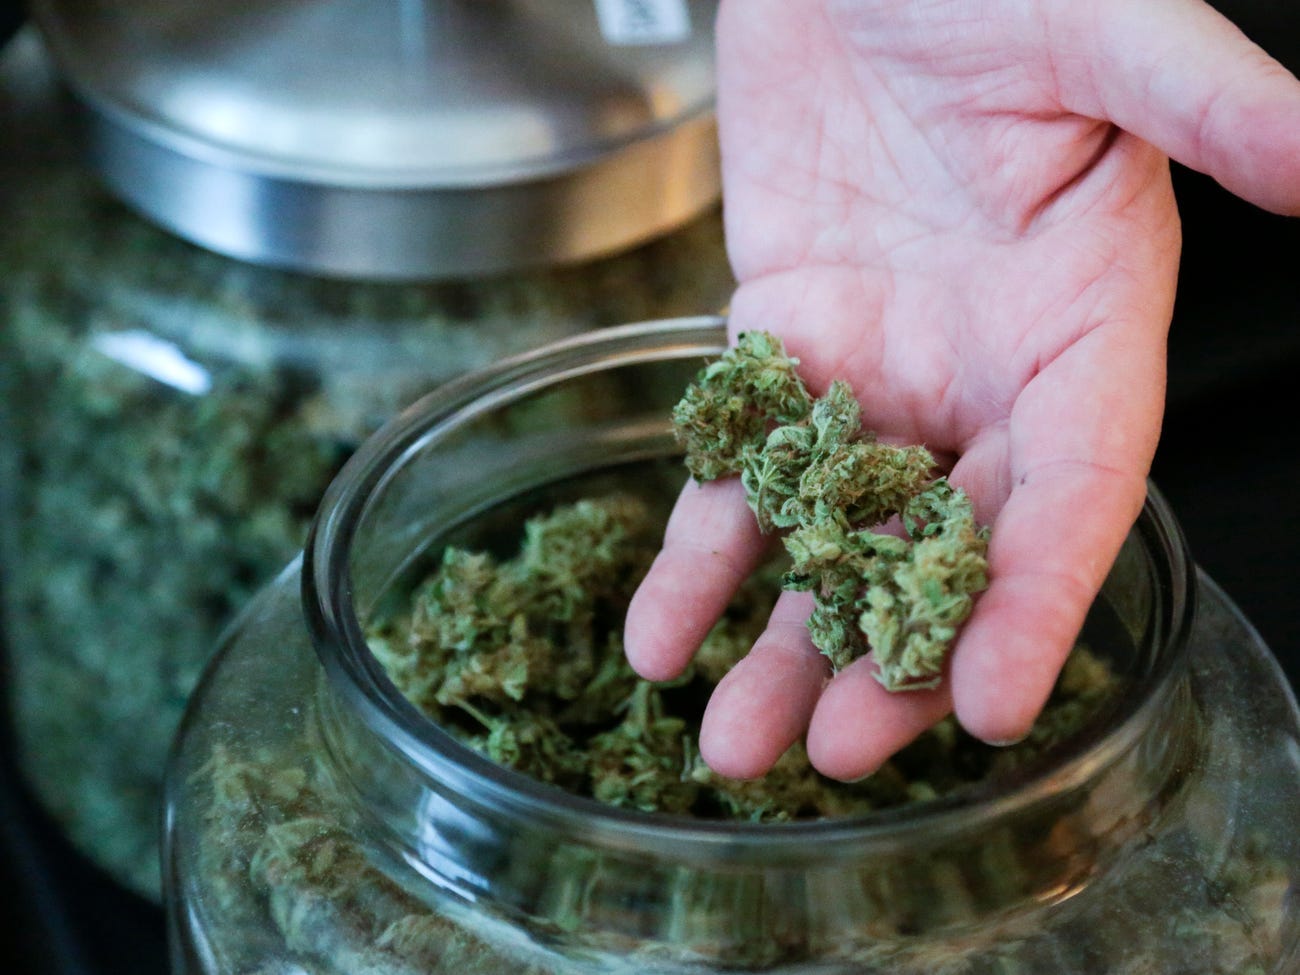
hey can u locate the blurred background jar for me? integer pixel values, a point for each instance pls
(316, 821)
(385, 195)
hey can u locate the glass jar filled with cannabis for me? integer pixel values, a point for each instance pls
(169, 419)
(317, 820)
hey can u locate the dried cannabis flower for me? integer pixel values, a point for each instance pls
(724, 417)
(522, 659)
(527, 650)
(808, 465)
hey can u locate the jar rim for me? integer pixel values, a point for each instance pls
(362, 684)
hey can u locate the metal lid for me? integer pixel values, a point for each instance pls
(398, 139)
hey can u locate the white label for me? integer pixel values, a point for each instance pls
(154, 357)
(643, 21)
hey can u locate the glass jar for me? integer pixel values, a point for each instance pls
(170, 419)
(317, 822)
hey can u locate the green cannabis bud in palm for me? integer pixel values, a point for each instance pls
(809, 466)
(725, 416)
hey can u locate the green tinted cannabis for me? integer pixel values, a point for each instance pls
(522, 658)
(287, 886)
(810, 467)
(170, 419)
(754, 387)
(275, 849)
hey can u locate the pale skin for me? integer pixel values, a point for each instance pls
(963, 208)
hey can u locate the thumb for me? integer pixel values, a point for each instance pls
(1179, 75)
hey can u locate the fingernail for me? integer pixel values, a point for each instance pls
(1006, 742)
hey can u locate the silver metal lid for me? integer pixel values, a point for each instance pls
(398, 138)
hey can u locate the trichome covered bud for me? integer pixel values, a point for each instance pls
(725, 416)
(814, 470)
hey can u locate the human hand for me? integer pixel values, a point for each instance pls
(962, 208)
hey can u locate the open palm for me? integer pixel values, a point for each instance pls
(963, 208)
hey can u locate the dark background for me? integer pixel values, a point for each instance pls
(1228, 463)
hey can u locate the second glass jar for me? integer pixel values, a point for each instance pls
(171, 418)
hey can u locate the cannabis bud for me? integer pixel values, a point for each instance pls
(809, 466)
(521, 658)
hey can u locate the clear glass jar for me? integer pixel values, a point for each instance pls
(316, 822)
(170, 419)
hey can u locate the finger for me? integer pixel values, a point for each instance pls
(1081, 439)
(1052, 546)
(710, 546)
(858, 725)
(1178, 74)
(762, 706)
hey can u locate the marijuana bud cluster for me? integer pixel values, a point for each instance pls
(521, 658)
(809, 467)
